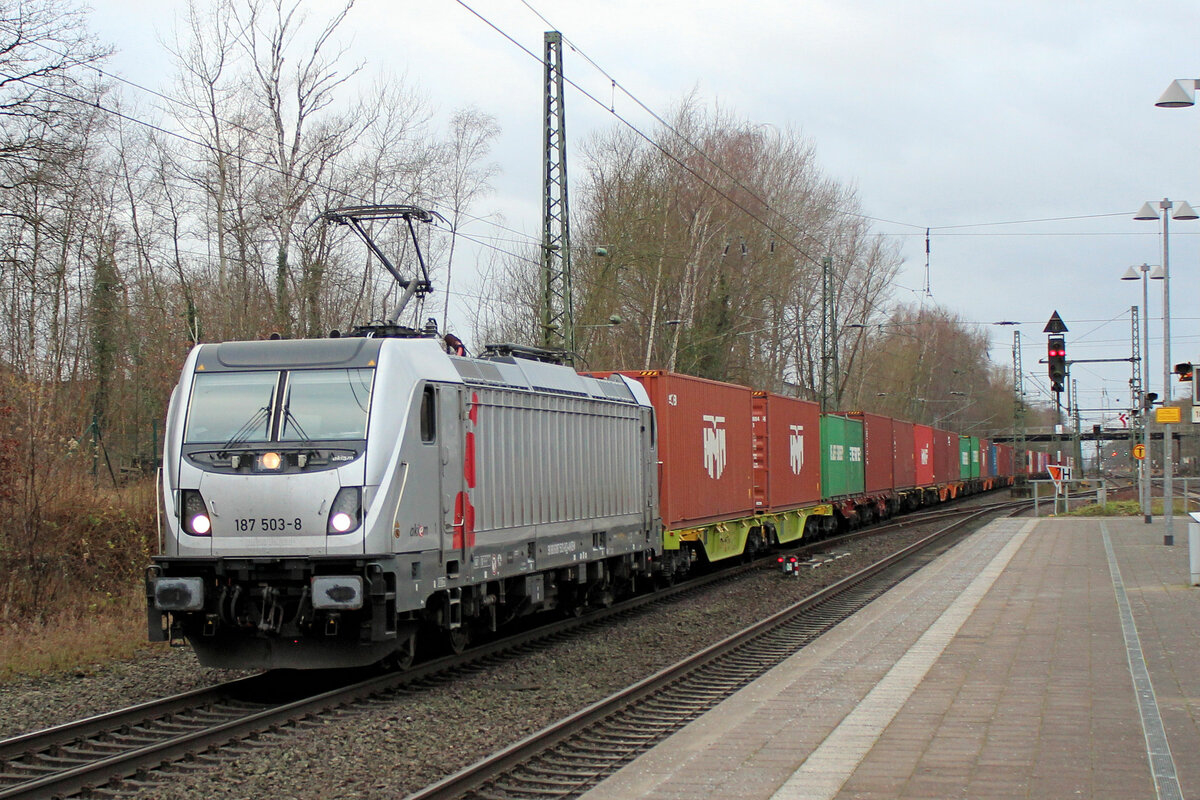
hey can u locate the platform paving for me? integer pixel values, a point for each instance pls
(1053, 658)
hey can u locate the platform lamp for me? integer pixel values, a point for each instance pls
(1132, 274)
(1182, 212)
(1182, 94)
(1179, 95)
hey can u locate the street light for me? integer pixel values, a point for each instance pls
(1183, 212)
(1182, 94)
(1179, 94)
(1131, 274)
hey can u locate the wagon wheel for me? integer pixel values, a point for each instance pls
(402, 657)
(457, 640)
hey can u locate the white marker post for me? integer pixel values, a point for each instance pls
(1056, 475)
(1194, 547)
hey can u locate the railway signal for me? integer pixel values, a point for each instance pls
(1056, 355)
(1184, 371)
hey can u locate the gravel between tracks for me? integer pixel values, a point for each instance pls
(393, 748)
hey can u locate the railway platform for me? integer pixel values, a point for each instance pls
(1052, 658)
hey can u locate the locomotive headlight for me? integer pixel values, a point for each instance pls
(345, 515)
(270, 461)
(194, 513)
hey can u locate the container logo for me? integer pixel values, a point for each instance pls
(714, 446)
(924, 456)
(796, 447)
(855, 453)
(837, 452)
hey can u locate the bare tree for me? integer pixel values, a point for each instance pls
(712, 243)
(303, 140)
(929, 365)
(470, 174)
(43, 45)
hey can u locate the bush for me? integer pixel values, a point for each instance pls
(73, 545)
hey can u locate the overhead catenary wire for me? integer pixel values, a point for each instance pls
(524, 236)
(948, 230)
(658, 146)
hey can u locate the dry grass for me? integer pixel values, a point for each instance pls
(75, 639)
(71, 564)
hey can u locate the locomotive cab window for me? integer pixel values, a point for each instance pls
(428, 414)
(325, 404)
(274, 406)
(228, 406)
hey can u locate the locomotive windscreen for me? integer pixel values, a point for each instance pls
(279, 405)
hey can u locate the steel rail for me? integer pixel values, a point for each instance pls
(110, 747)
(100, 724)
(475, 780)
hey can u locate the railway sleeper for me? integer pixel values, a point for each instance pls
(550, 776)
(596, 764)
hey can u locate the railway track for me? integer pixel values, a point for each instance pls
(109, 753)
(575, 754)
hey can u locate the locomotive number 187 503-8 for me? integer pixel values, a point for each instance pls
(251, 524)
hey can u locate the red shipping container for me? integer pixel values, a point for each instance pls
(923, 454)
(947, 457)
(878, 442)
(705, 447)
(787, 452)
(904, 468)
(1004, 460)
(986, 468)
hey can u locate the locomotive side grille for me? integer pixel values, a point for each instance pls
(545, 459)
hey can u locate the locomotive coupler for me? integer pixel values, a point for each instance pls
(271, 617)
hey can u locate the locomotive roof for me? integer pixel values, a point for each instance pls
(278, 353)
(521, 373)
(349, 352)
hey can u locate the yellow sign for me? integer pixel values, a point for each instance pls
(1139, 451)
(1168, 415)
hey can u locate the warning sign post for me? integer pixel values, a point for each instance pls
(1056, 475)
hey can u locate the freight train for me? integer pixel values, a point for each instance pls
(325, 502)
(328, 503)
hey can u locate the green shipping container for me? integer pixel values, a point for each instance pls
(842, 467)
(976, 463)
(964, 457)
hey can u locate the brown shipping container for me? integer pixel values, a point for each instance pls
(878, 444)
(947, 456)
(904, 467)
(705, 447)
(923, 454)
(787, 452)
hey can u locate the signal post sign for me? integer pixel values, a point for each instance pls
(1139, 451)
(1168, 415)
(1056, 475)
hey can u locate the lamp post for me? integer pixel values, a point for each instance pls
(1183, 212)
(1182, 94)
(1131, 274)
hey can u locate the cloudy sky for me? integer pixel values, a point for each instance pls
(1022, 134)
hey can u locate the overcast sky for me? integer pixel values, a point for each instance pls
(961, 117)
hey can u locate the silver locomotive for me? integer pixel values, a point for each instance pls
(325, 502)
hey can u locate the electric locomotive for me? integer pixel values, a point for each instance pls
(326, 501)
